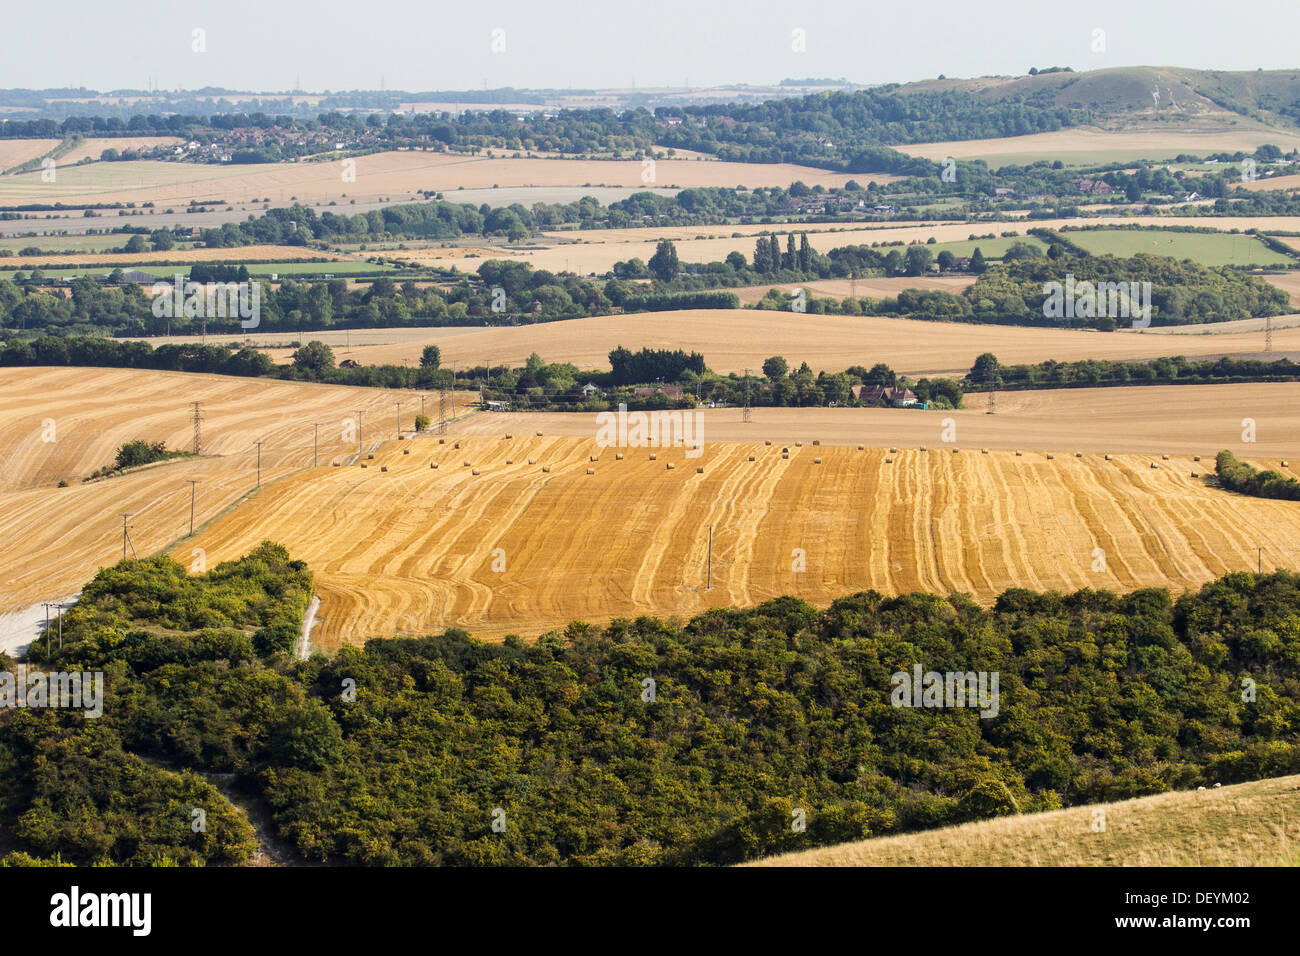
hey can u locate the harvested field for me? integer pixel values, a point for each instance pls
(732, 340)
(411, 550)
(1269, 183)
(53, 539)
(127, 259)
(1249, 824)
(1090, 145)
(15, 152)
(396, 174)
(93, 148)
(876, 288)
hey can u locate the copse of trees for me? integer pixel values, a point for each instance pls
(1236, 475)
(757, 711)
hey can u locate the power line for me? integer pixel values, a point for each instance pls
(198, 433)
(746, 415)
(193, 483)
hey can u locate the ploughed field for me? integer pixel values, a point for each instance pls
(525, 533)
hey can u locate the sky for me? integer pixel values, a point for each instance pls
(274, 45)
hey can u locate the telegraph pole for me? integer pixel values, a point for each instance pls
(1268, 333)
(1259, 567)
(399, 420)
(993, 402)
(126, 537)
(359, 442)
(193, 482)
(453, 388)
(315, 441)
(442, 412)
(259, 463)
(746, 415)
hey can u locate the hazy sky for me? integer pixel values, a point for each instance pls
(328, 44)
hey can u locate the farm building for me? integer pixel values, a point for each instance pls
(884, 396)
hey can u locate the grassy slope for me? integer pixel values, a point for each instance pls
(1249, 824)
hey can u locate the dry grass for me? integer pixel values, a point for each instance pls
(1091, 145)
(241, 254)
(15, 152)
(409, 550)
(732, 340)
(396, 174)
(1249, 824)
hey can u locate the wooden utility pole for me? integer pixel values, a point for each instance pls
(259, 463)
(315, 442)
(745, 417)
(193, 482)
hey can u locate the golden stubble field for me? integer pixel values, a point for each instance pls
(400, 547)
(732, 340)
(53, 539)
(396, 174)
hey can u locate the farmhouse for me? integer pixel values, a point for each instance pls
(885, 396)
(674, 392)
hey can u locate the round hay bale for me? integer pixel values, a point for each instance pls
(1195, 475)
(510, 461)
(1164, 457)
(984, 451)
(406, 451)
(670, 466)
(1078, 454)
(546, 468)
(1154, 465)
(654, 457)
(923, 448)
(442, 441)
(532, 461)
(370, 457)
(859, 448)
(1108, 457)
(457, 445)
(467, 464)
(768, 442)
(893, 451)
(816, 441)
(1196, 458)
(383, 468)
(699, 470)
(1051, 457)
(473, 471)
(955, 450)
(364, 465)
(594, 458)
(1018, 454)
(751, 457)
(1284, 463)
(509, 435)
(618, 456)
(798, 444)
(433, 464)
(539, 434)
(591, 471)
(785, 454)
(889, 461)
(785, 450)
(817, 461)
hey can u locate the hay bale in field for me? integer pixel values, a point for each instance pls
(859, 448)
(654, 457)
(817, 461)
(785, 450)
(955, 450)
(1078, 454)
(539, 434)
(893, 451)
(591, 471)
(510, 461)
(785, 454)
(363, 465)
(473, 471)
(1051, 457)
(1195, 475)
(406, 451)
(383, 468)
(768, 442)
(816, 441)
(546, 468)
(442, 441)
(1018, 454)
(1108, 457)
(1164, 457)
(671, 466)
(1284, 463)
(798, 444)
(923, 448)
(532, 461)
(370, 457)
(594, 458)
(889, 461)
(1154, 465)
(1196, 458)
(509, 435)
(699, 469)
(433, 464)
(751, 457)
(467, 464)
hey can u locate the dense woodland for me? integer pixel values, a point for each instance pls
(400, 752)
